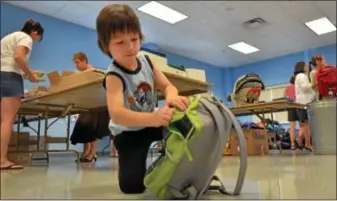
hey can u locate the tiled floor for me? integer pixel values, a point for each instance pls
(304, 176)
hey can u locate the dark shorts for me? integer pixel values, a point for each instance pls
(297, 115)
(302, 115)
(292, 114)
(11, 85)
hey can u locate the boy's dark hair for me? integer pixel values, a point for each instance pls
(299, 67)
(33, 25)
(116, 18)
(81, 56)
(292, 79)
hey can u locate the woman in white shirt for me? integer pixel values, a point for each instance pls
(304, 95)
(15, 50)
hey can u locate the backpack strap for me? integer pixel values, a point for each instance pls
(241, 139)
(189, 193)
(155, 88)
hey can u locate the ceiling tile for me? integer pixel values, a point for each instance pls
(78, 13)
(44, 7)
(328, 8)
(303, 11)
(238, 12)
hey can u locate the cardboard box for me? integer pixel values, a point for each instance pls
(70, 80)
(256, 142)
(21, 158)
(36, 91)
(19, 142)
(161, 62)
(66, 73)
(196, 74)
(33, 145)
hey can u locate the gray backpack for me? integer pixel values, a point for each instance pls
(192, 151)
(247, 90)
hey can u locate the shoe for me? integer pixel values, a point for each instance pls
(298, 146)
(293, 147)
(86, 160)
(81, 158)
(308, 149)
(12, 167)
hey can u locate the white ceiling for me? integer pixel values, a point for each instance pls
(213, 25)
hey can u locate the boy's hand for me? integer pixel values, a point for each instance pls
(179, 102)
(163, 116)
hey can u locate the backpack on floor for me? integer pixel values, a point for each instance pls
(327, 81)
(247, 90)
(192, 150)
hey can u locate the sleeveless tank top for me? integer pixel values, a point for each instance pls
(139, 92)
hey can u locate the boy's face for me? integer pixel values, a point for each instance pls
(124, 47)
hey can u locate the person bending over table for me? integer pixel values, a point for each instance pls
(15, 51)
(304, 95)
(92, 125)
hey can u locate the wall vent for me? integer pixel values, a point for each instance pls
(254, 23)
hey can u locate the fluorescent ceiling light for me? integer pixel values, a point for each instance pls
(243, 48)
(162, 12)
(321, 26)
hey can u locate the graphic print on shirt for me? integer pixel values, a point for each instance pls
(142, 97)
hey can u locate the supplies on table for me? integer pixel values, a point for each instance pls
(38, 74)
(196, 74)
(161, 61)
(36, 91)
(70, 79)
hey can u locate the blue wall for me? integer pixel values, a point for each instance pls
(278, 70)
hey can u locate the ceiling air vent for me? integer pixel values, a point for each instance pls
(254, 23)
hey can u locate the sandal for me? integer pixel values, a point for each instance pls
(12, 167)
(308, 149)
(298, 146)
(293, 147)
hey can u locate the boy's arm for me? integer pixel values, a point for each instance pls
(118, 113)
(164, 85)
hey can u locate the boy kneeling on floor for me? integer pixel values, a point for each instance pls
(131, 82)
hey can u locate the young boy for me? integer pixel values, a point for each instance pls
(131, 82)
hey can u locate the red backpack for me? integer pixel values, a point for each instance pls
(327, 81)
